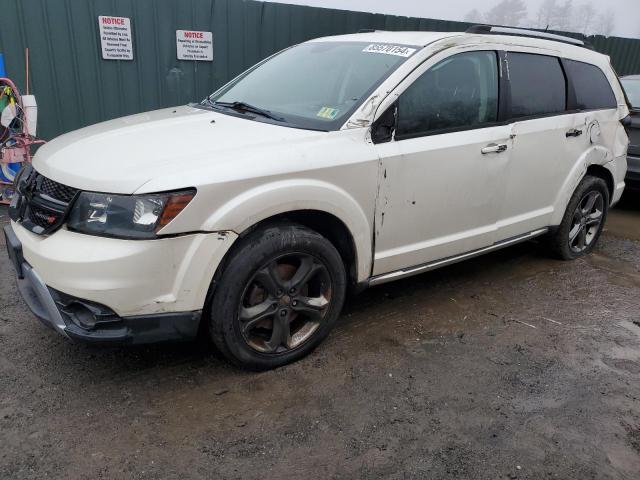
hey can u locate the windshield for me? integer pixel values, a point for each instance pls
(314, 85)
(632, 87)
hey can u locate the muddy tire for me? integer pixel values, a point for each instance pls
(583, 220)
(278, 297)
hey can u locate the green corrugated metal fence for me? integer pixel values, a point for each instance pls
(75, 87)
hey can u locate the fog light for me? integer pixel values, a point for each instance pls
(81, 315)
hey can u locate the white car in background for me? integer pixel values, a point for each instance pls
(344, 161)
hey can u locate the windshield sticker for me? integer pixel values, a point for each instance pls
(385, 49)
(328, 113)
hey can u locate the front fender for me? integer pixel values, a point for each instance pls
(262, 202)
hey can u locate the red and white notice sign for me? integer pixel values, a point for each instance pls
(116, 38)
(192, 45)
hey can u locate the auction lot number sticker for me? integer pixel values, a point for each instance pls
(386, 49)
(192, 45)
(116, 38)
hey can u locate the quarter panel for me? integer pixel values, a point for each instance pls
(605, 144)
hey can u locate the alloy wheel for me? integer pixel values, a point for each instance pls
(587, 219)
(284, 303)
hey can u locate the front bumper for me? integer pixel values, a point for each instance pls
(131, 277)
(87, 321)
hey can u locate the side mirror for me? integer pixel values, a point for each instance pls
(383, 129)
(626, 121)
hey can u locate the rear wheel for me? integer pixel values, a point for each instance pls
(583, 220)
(279, 296)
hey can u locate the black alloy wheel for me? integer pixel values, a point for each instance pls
(583, 220)
(587, 219)
(276, 297)
(285, 303)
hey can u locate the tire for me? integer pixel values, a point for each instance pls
(583, 220)
(278, 296)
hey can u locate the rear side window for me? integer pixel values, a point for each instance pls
(538, 85)
(593, 91)
(457, 93)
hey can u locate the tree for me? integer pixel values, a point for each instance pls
(555, 15)
(606, 23)
(507, 12)
(564, 16)
(474, 16)
(546, 14)
(585, 17)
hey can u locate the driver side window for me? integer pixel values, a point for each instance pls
(457, 93)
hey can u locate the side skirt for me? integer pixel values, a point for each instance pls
(426, 267)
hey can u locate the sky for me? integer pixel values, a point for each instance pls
(627, 12)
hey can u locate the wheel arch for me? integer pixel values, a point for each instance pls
(320, 206)
(597, 162)
(603, 173)
(326, 224)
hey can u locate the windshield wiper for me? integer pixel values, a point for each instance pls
(246, 107)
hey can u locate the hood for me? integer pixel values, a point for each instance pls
(121, 155)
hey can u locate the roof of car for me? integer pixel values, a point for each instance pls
(425, 38)
(402, 38)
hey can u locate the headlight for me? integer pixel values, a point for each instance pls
(126, 216)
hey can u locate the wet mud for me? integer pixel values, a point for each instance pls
(513, 365)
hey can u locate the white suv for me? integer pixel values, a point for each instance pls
(342, 162)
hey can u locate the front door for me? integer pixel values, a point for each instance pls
(441, 182)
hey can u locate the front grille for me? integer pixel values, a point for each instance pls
(41, 217)
(40, 204)
(56, 190)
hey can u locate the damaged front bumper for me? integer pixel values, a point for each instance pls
(88, 321)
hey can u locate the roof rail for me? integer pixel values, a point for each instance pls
(523, 32)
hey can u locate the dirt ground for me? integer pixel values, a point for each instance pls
(508, 366)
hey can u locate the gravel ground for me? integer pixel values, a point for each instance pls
(508, 366)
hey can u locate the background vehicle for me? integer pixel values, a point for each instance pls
(356, 160)
(631, 84)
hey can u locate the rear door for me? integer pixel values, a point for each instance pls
(538, 163)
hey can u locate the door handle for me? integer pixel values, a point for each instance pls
(574, 132)
(494, 148)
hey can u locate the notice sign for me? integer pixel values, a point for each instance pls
(192, 45)
(116, 38)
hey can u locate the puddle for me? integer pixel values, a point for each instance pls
(621, 273)
(624, 222)
(623, 364)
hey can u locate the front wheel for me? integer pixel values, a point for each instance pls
(583, 220)
(278, 297)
